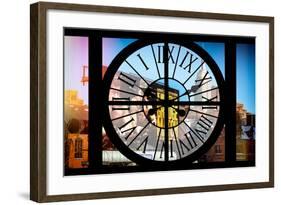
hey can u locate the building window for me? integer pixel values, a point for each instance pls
(218, 149)
(78, 148)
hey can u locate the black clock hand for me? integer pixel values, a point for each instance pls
(152, 111)
(193, 89)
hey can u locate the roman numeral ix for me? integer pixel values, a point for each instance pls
(189, 61)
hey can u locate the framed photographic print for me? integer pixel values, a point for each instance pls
(133, 102)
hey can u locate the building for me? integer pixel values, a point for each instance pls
(245, 134)
(71, 98)
(241, 115)
(206, 85)
(217, 152)
(77, 151)
(75, 130)
(172, 113)
(74, 107)
(251, 119)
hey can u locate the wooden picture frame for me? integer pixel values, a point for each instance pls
(39, 100)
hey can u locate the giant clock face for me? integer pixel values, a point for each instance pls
(164, 102)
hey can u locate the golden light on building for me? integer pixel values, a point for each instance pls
(173, 119)
(76, 134)
(74, 107)
(77, 145)
(245, 145)
(241, 113)
(71, 98)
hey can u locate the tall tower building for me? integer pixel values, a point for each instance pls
(202, 73)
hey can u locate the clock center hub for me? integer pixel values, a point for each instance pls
(156, 102)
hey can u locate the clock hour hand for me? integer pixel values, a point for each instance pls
(194, 89)
(153, 110)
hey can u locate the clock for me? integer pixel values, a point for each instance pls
(164, 102)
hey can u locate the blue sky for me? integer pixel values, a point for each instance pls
(245, 71)
(216, 50)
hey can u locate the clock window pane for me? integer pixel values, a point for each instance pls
(76, 102)
(245, 108)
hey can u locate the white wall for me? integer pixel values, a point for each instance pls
(14, 103)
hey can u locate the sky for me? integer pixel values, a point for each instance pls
(245, 71)
(112, 46)
(76, 55)
(216, 50)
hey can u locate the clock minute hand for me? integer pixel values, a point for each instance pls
(193, 89)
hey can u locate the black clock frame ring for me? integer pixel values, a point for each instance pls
(126, 151)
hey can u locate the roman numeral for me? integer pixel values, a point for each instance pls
(189, 62)
(206, 79)
(205, 124)
(170, 52)
(154, 57)
(162, 149)
(171, 148)
(183, 146)
(126, 79)
(212, 99)
(190, 139)
(207, 114)
(195, 71)
(158, 138)
(123, 129)
(189, 143)
(120, 107)
(141, 59)
(177, 142)
(204, 91)
(138, 133)
(170, 56)
(194, 133)
(160, 48)
(144, 142)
